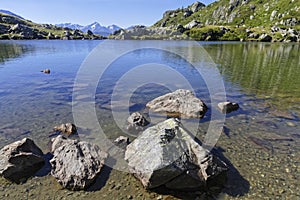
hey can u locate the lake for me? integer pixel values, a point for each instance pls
(96, 84)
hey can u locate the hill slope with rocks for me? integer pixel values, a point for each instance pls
(250, 20)
(15, 27)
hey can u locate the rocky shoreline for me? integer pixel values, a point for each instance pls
(195, 31)
(163, 150)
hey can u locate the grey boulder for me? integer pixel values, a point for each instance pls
(20, 160)
(167, 155)
(180, 103)
(76, 164)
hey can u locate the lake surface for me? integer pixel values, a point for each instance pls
(260, 141)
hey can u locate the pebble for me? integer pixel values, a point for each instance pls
(129, 197)
(287, 170)
(291, 124)
(160, 197)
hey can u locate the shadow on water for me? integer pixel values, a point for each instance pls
(236, 185)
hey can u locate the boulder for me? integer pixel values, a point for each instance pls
(77, 164)
(192, 24)
(228, 107)
(167, 155)
(187, 13)
(20, 160)
(122, 142)
(197, 6)
(3, 29)
(136, 122)
(66, 129)
(46, 71)
(180, 103)
(265, 38)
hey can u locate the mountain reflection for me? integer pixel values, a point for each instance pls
(11, 50)
(261, 68)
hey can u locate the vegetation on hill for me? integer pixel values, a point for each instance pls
(266, 20)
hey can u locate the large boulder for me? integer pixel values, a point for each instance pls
(20, 160)
(180, 103)
(76, 164)
(167, 155)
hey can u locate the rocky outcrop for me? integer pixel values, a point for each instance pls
(20, 160)
(228, 107)
(122, 142)
(143, 33)
(180, 103)
(166, 155)
(195, 7)
(136, 122)
(76, 164)
(193, 24)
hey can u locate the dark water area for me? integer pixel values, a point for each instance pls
(260, 141)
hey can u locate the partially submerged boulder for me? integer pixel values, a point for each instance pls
(180, 103)
(67, 128)
(122, 142)
(46, 71)
(167, 155)
(76, 164)
(228, 107)
(136, 122)
(20, 160)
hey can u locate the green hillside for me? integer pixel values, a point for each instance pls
(279, 19)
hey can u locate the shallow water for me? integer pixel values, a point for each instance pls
(260, 141)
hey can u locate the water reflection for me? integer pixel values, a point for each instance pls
(12, 50)
(264, 69)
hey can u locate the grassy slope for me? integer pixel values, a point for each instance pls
(212, 15)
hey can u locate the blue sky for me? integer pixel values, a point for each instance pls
(120, 12)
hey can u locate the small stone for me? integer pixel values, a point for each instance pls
(287, 170)
(46, 71)
(129, 197)
(160, 197)
(291, 124)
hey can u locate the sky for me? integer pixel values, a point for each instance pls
(123, 13)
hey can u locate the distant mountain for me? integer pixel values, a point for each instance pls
(94, 27)
(70, 25)
(10, 13)
(14, 27)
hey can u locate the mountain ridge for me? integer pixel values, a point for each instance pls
(95, 27)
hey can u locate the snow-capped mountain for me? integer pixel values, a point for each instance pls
(94, 27)
(70, 25)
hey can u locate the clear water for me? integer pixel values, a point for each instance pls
(260, 140)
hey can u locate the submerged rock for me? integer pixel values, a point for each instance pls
(122, 142)
(167, 155)
(66, 129)
(76, 164)
(136, 122)
(180, 103)
(228, 107)
(20, 160)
